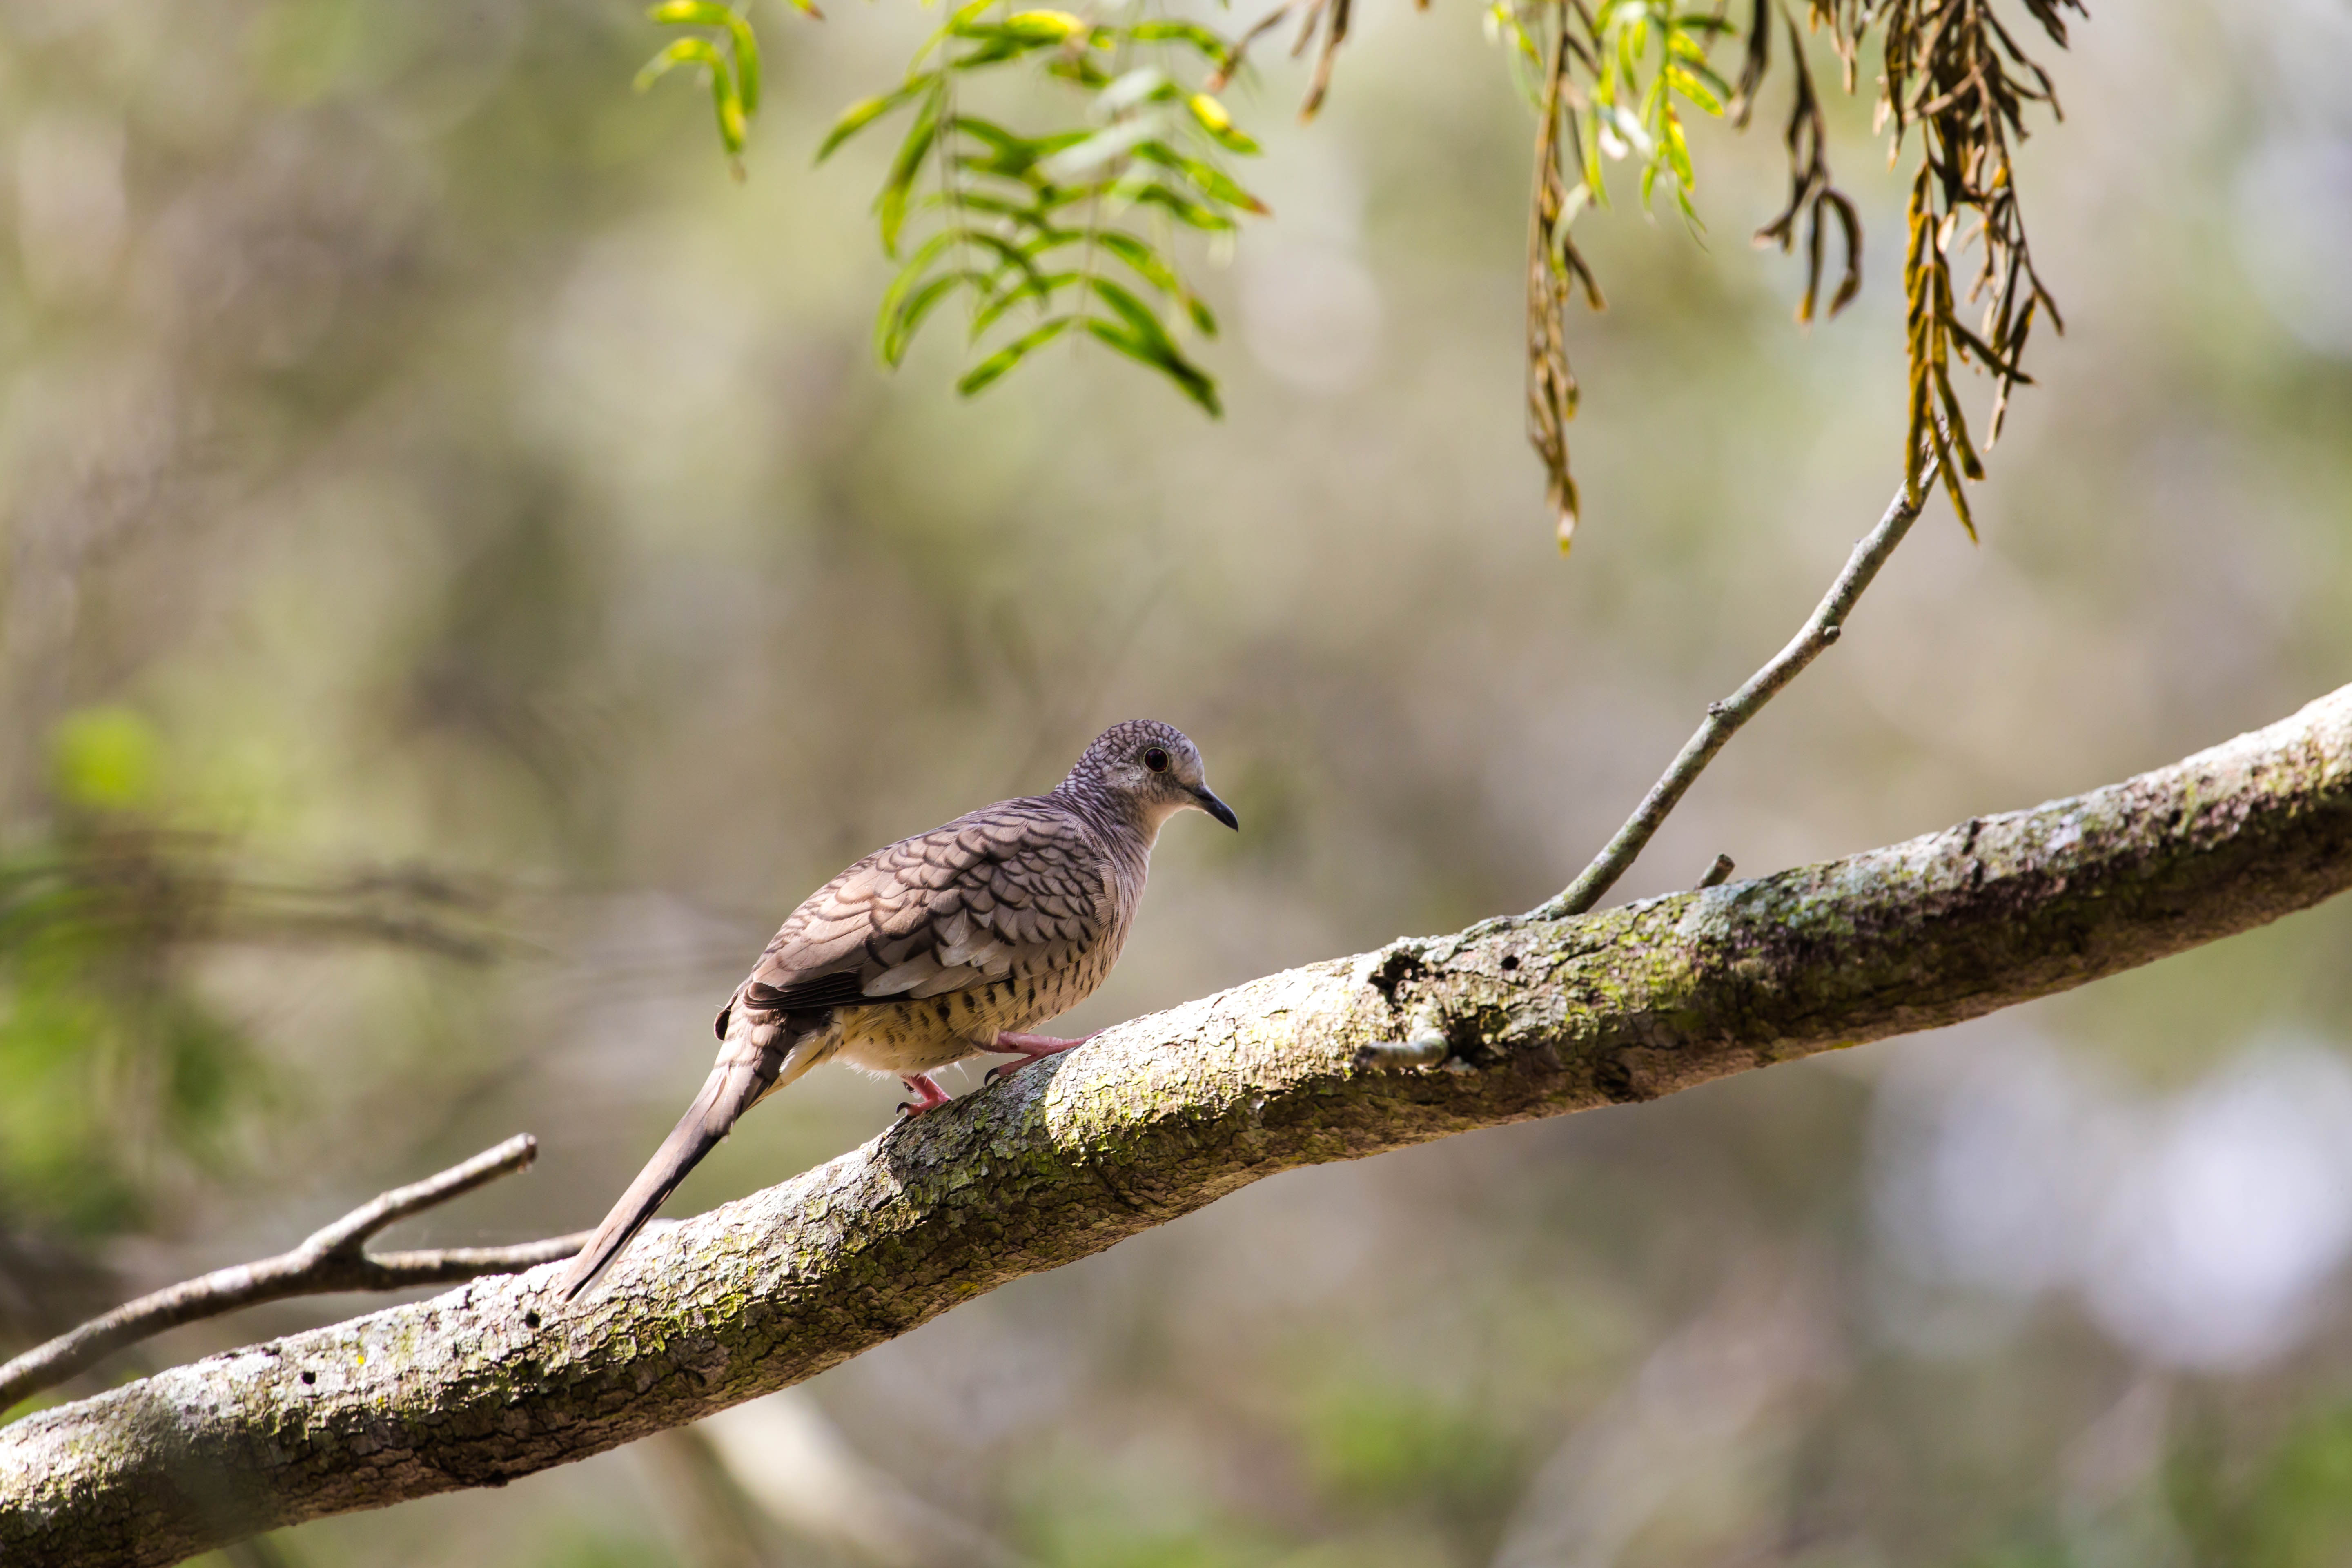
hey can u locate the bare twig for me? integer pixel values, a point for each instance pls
(1724, 718)
(1333, 37)
(330, 1261)
(1223, 75)
(1719, 873)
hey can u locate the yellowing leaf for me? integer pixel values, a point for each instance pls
(1060, 24)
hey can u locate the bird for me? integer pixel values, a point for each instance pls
(948, 944)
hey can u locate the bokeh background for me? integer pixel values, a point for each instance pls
(466, 578)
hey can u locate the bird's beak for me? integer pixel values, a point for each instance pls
(1217, 808)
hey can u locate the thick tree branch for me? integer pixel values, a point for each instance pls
(1159, 1115)
(332, 1261)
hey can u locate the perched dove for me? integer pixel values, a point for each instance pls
(942, 946)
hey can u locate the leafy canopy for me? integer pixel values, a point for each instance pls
(1083, 225)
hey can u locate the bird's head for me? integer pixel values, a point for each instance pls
(1150, 769)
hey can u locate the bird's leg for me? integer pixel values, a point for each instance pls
(1029, 1049)
(928, 1095)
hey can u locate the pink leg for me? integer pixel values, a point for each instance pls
(928, 1095)
(1029, 1049)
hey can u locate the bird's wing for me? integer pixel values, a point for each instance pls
(1017, 889)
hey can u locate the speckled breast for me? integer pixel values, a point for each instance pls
(917, 1035)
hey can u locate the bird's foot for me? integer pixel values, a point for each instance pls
(1029, 1049)
(928, 1095)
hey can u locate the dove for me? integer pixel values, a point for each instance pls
(948, 944)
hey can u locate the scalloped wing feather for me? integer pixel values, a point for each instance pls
(1019, 889)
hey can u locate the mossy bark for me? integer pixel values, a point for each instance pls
(1165, 1114)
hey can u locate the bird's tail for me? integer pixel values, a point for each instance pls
(747, 1069)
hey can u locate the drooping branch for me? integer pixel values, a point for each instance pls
(333, 1260)
(1515, 1019)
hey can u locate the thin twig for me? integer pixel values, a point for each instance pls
(1719, 873)
(1724, 718)
(331, 1261)
(1224, 74)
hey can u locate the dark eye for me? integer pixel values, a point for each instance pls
(1156, 760)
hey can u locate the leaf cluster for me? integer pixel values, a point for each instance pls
(1957, 73)
(1609, 78)
(1071, 227)
(1612, 80)
(722, 46)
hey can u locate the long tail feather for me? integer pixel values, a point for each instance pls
(743, 1077)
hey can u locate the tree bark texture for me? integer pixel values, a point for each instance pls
(1511, 1019)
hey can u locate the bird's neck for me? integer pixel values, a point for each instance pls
(1126, 825)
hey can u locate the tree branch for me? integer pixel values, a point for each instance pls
(331, 1261)
(1724, 718)
(1159, 1115)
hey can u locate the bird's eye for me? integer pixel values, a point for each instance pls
(1156, 760)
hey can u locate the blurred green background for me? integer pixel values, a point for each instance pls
(466, 578)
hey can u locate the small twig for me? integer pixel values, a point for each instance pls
(1719, 873)
(331, 1261)
(1724, 718)
(1333, 37)
(1224, 74)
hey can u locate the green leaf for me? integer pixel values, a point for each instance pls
(1054, 25)
(1160, 356)
(1212, 117)
(988, 371)
(962, 17)
(1154, 270)
(705, 14)
(1134, 312)
(893, 305)
(1690, 87)
(1078, 69)
(747, 62)
(1184, 209)
(1013, 255)
(866, 110)
(690, 13)
(733, 127)
(988, 315)
(1677, 153)
(895, 332)
(1009, 156)
(1214, 182)
(1215, 49)
(1148, 263)
(1017, 34)
(681, 51)
(892, 204)
(1028, 213)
